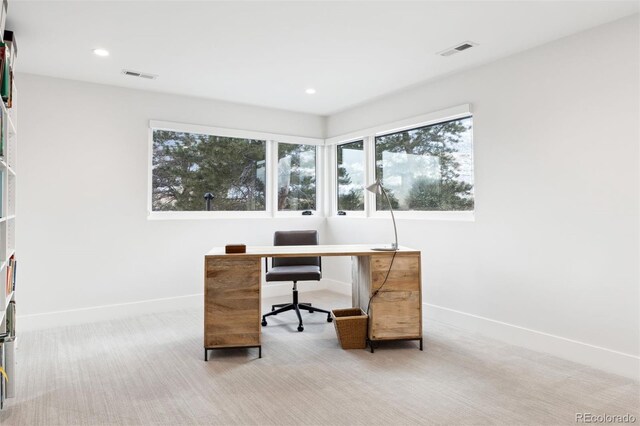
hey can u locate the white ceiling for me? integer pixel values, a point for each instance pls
(267, 53)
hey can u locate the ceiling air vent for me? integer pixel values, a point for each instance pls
(139, 74)
(457, 48)
(464, 46)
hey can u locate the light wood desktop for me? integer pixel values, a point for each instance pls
(232, 308)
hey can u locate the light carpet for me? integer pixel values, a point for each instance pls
(149, 369)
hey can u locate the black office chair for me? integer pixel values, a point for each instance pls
(294, 269)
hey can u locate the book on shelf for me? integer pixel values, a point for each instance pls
(12, 49)
(4, 69)
(11, 275)
(5, 84)
(9, 95)
(7, 284)
(10, 54)
(10, 322)
(2, 133)
(3, 377)
(1, 193)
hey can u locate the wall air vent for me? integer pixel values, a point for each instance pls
(457, 48)
(131, 73)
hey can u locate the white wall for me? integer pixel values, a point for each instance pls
(554, 247)
(85, 240)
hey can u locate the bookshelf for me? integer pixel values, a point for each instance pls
(8, 264)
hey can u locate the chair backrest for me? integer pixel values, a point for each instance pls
(295, 238)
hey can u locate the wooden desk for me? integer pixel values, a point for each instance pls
(232, 308)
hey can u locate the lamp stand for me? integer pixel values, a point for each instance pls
(394, 246)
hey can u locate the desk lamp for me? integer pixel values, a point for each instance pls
(377, 188)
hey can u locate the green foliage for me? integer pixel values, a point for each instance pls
(442, 191)
(382, 204)
(352, 200)
(296, 177)
(349, 198)
(428, 195)
(187, 165)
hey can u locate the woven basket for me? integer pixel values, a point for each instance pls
(351, 327)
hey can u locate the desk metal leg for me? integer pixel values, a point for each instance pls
(373, 343)
(206, 350)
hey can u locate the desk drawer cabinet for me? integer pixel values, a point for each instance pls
(396, 311)
(232, 302)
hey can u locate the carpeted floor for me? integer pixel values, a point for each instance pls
(150, 370)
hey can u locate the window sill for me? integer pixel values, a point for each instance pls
(204, 215)
(295, 214)
(350, 214)
(466, 216)
(453, 216)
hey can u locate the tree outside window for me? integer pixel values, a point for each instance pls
(427, 169)
(188, 165)
(296, 177)
(350, 163)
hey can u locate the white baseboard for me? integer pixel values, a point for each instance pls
(593, 356)
(336, 286)
(122, 310)
(284, 289)
(106, 312)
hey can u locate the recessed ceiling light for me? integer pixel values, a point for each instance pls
(310, 91)
(101, 52)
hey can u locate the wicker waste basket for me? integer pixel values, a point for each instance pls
(351, 327)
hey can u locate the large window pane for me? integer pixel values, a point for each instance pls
(188, 165)
(428, 168)
(350, 158)
(296, 177)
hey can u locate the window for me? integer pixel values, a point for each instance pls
(428, 168)
(350, 176)
(296, 177)
(186, 166)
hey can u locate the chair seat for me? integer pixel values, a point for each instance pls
(294, 273)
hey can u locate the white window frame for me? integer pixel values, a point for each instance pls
(369, 135)
(326, 169)
(319, 180)
(333, 184)
(271, 141)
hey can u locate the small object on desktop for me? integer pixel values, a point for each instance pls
(235, 248)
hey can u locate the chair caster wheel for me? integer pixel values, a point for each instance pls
(300, 328)
(264, 322)
(310, 311)
(329, 319)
